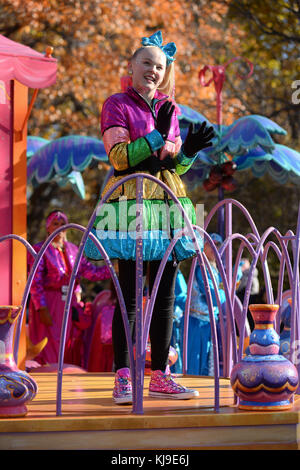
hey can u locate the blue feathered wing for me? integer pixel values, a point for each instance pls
(63, 159)
(283, 163)
(34, 143)
(247, 133)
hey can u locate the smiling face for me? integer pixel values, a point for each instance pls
(148, 67)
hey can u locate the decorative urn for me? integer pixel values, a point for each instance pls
(16, 386)
(264, 379)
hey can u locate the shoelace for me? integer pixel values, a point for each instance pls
(173, 384)
(124, 382)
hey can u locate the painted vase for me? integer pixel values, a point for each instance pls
(16, 386)
(264, 380)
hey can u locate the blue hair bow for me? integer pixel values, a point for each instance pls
(156, 40)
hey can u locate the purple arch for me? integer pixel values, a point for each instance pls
(253, 242)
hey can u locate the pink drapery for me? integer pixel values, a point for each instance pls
(29, 67)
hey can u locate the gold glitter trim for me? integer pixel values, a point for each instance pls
(151, 190)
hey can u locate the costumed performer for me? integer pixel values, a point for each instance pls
(76, 346)
(179, 308)
(49, 287)
(285, 328)
(199, 349)
(101, 355)
(140, 132)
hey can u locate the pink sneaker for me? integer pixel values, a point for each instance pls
(162, 385)
(122, 392)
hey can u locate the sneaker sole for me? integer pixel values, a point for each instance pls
(175, 396)
(123, 400)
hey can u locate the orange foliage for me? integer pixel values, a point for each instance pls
(93, 41)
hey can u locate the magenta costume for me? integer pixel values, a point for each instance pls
(101, 353)
(52, 274)
(132, 144)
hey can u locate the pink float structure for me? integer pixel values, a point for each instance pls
(20, 68)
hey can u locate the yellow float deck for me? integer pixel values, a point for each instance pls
(91, 421)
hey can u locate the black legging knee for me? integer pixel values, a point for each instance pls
(162, 316)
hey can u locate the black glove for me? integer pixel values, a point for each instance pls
(164, 117)
(198, 140)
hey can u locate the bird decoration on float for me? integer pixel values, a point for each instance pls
(63, 160)
(245, 144)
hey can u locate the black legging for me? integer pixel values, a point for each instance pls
(162, 317)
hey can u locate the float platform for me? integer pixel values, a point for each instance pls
(91, 421)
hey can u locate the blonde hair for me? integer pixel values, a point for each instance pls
(167, 86)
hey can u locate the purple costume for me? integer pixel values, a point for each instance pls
(132, 144)
(52, 274)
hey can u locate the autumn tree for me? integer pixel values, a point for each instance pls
(273, 38)
(93, 41)
(269, 37)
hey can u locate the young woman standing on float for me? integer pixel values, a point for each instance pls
(141, 134)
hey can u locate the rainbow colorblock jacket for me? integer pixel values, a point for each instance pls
(133, 145)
